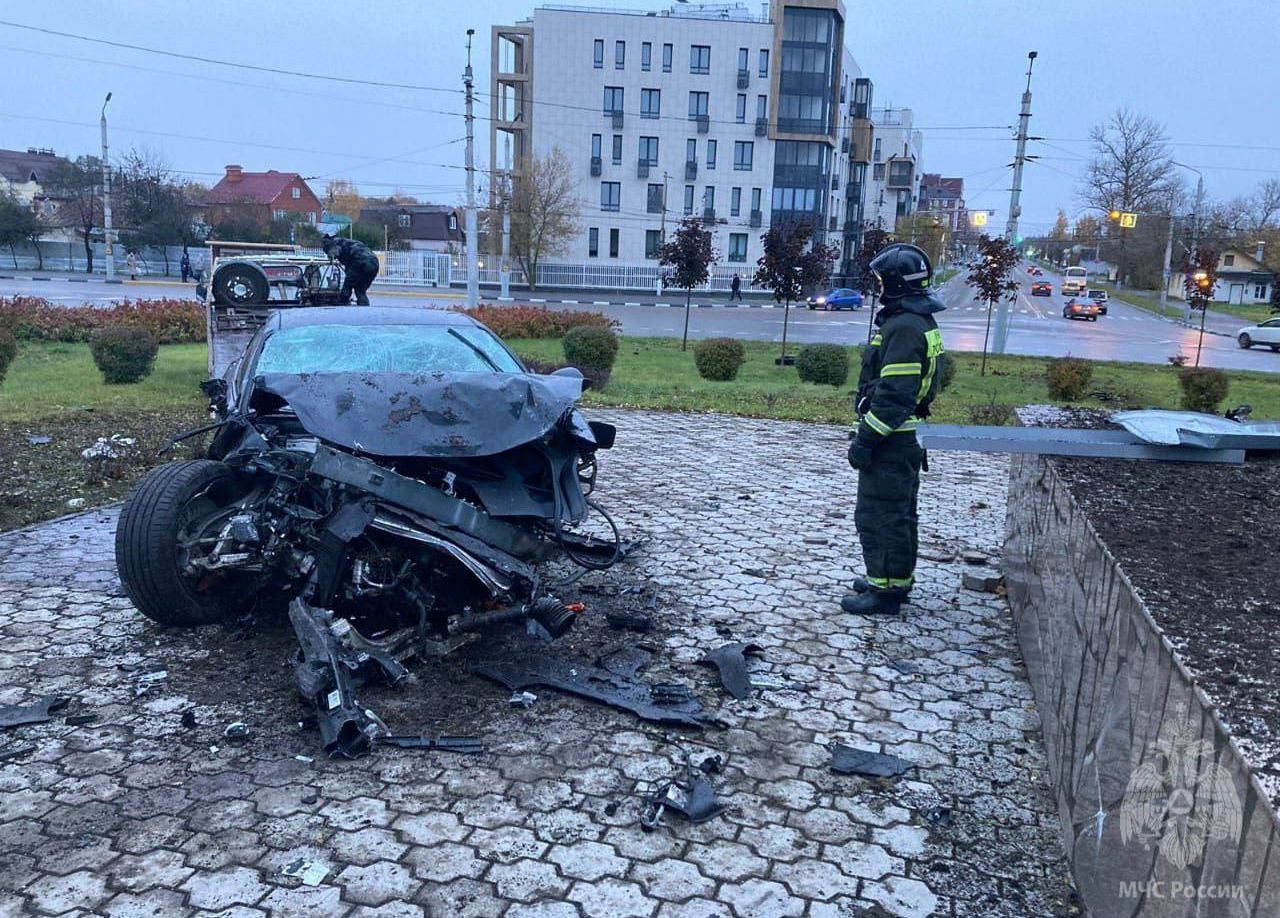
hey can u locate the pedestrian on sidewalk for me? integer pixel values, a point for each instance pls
(185, 266)
(132, 263)
(899, 379)
(735, 288)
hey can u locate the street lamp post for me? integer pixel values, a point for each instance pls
(106, 195)
(1195, 230)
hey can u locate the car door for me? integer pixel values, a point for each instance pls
(1269, 332)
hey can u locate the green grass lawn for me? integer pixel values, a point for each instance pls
(1151, 304)
(1253, 313)
(48, 380)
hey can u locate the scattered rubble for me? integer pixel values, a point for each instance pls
(19, 715)
(983, 583)
(311, 873)
(846, 760)
(731, 662)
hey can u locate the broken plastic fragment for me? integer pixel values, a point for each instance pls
(846, 760)
(237, 733)
(311, 873)
(523, 699)
(147, 681)
(731, 662)
(17, 715)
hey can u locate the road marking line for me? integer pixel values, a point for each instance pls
(532, 300)
(572, 302)
(599, 302)
(629, 303)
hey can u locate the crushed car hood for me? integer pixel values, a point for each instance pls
(435, 415)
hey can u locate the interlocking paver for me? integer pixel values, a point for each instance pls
(750, 537)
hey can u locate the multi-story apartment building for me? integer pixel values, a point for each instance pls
(738, 118)
(894, 185)
(944, 198)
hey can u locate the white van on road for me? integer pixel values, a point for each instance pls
(1075, 282)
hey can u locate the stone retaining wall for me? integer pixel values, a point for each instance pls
(1161, 815)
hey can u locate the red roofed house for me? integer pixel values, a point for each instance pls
(260, 197)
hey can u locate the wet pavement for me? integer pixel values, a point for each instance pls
(750, 528)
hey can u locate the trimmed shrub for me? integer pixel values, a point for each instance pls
(824, 364)
(8, 351)
(32, 318)
(592, 350)
(124, 355)
(537, 365)
(1068, 378)
(1203, 388)
(992, 414)
(946, 371)
(719, 359)
(536, 321)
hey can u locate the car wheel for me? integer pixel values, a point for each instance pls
(1275, 348)
(177, 503)
(1244, 340)
(239, 285)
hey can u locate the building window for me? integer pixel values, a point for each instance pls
(737, 246)
(764, 62)
(597, 53)
(610, 195)
(709, 198)
(652, 243)
(617, 149)
(875, 155)
(735, 201)
(688, 199)
(593, 242)
(762, 107)
(619, 55)
(744, 56)
(297, 193)
(666, 58)
(699, 104)
(650, 103)
(743, 155)
(900, 173)
(1228, 261)
(740, 113)
(646, 55)
(406, 219)
(649, 150)
(691, 150)
(655, 200)
(877, 172)
(453, 222)
(1259, 291)
(755, 198)
(279, 215)
(612, 99)
(613, 243)
(711, 154)
(595, 146)
(699, 58)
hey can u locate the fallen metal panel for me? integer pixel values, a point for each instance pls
(1050, 441)
(1192, 428)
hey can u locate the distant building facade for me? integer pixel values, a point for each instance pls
(423, 227)
(260, 197)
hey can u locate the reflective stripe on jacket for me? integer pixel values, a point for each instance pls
(899, 377)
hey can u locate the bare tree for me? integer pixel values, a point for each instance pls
(1132, 170)
(544, 211)
(77, 186)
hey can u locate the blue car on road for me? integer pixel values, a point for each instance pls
(839, 298)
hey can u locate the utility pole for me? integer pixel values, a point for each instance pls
(1168, 261)
(1015, 208)
(506, 236)
(106, 196)
(473, 257)
(1195, 228)
(663, 233)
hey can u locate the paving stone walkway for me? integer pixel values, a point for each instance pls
(751, 536)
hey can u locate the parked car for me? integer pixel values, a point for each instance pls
(1267, 333)
(1078, 309)
(1042, 288)
(1100, 297)
(840, 298)
(395, 475)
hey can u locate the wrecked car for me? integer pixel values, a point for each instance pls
(395, 475)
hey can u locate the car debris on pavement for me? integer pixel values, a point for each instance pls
(731, 662)
(20, 715)
(401, 514)
(689, 793)
(846, 760)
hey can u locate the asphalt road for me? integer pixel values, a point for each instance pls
(1037, 326)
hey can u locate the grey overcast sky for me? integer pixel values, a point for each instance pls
(1211, 77)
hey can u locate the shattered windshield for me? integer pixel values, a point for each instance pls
(385, 349)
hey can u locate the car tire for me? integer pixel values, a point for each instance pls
(1275, 348)
(1244, 340)
(240, 285)
(147, 554)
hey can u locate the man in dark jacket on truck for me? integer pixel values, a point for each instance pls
(359, 267)
(901, 369)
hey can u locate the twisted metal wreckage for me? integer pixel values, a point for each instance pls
(400, 515)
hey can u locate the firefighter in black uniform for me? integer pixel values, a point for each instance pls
(359, 267)
(899, 379)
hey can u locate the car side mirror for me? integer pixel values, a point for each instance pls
(605, 434)
(216, 391)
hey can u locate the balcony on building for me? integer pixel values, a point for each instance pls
(690, 170)
(756, 219)
(899, 172)
(616, 116)
(704, 124)
(744, 79)
(708, 215)
(642, 169)
(596, 165)
(762, 127)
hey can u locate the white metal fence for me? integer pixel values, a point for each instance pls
(405, 269)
